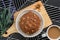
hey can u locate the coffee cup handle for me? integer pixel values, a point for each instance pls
(44, 35)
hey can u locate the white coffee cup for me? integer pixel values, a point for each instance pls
(46, 34)
(18, 19)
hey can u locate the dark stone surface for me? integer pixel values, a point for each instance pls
(54, 3)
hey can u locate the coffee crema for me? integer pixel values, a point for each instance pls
(54, 32)
(30, 23)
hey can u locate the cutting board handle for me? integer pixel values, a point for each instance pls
(11, 30)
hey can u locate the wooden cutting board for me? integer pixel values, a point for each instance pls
(36, 6)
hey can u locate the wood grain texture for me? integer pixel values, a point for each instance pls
(47, 20)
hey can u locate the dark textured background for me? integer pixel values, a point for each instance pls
(54, 3)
